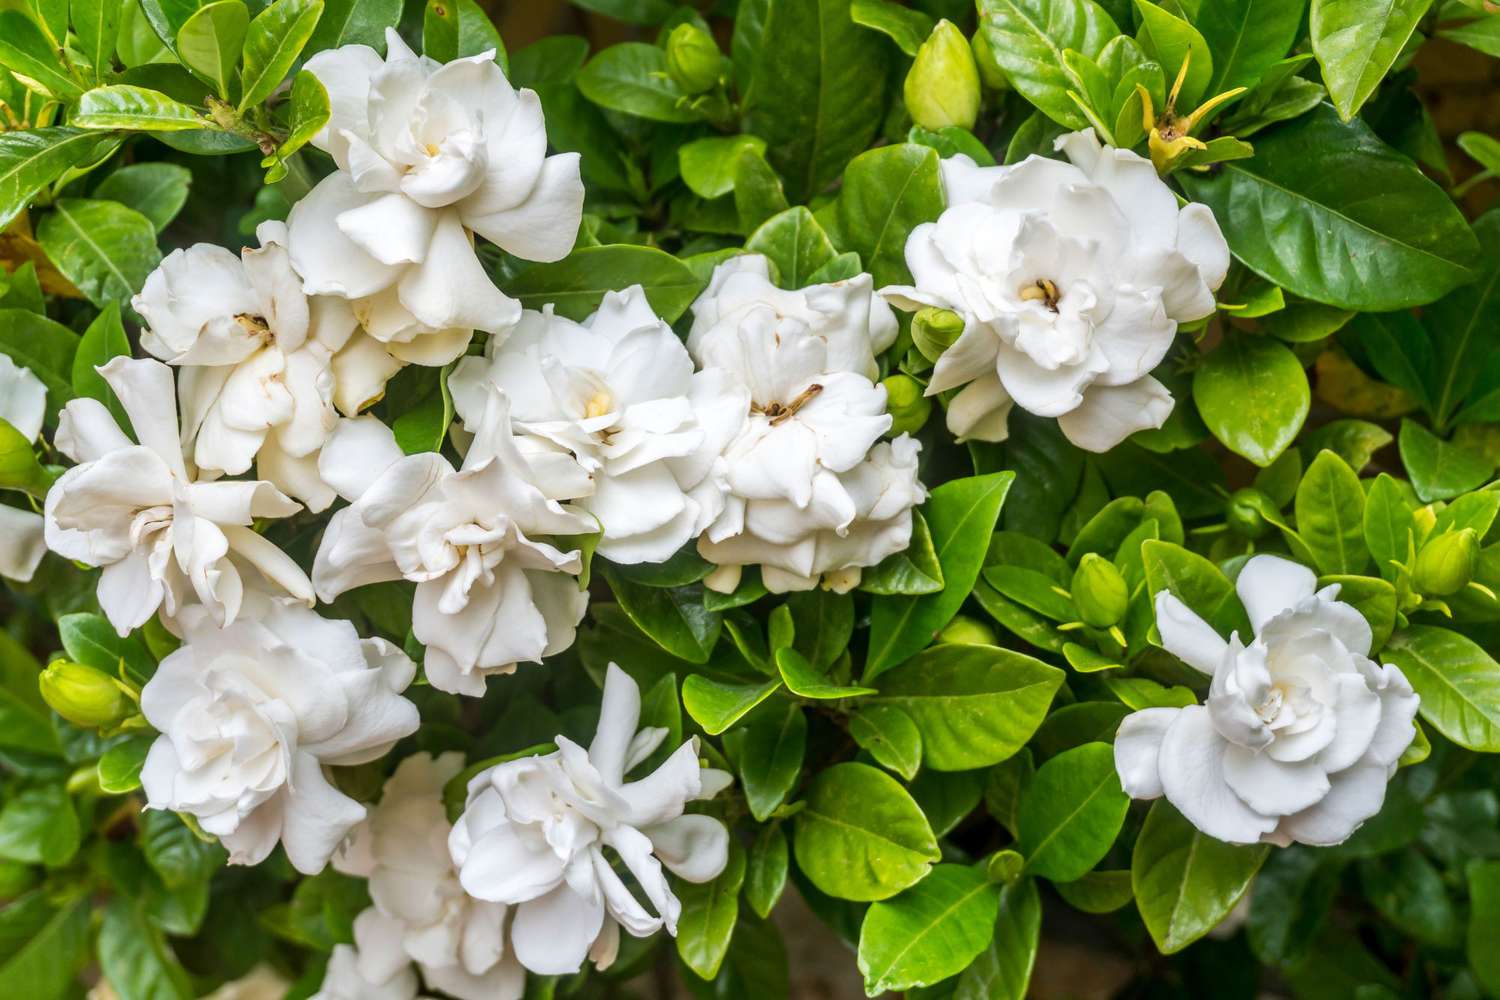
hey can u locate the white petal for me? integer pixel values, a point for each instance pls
(145, 390)
(694, 848)
(1192, 778)
(357, 453)
(329, 261)
(1137, 749)
(23, 398)
(1186, 636)
(128, 595)
(1269, 585)
(619, 712)
(552, 935)
(318, 816)
(450, 289)
(22, 542)
(1356, 795)
(545, 225)
(1111, 413)
(392, 228)
(1272, 787)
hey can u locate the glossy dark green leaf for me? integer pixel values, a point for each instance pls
(32, 159)
(120, 767)
(710, 911)
(135, 957)
(104, 339)
(354, 22)
(1332, 214)
(1253, 395)
(576, 284)
(887, 193)
(929, 932)
(766, 869)
(157, 190)
(91, 640)
(1003, 970)
(768, 753)
(1072, 813)
(1465, 384)
(47, 944)
(26, 51)
(860, 836)
(1484, 912)
(459, 29)
(1098, 891)
(674, 616)
(1440, 469)
(974, 705)
(1357, 42)
(1458, 682)
(102, 247)
(39, 826)
(1247, 37)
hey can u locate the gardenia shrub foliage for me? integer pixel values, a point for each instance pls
(494, 524)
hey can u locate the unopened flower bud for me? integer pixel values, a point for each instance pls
(1099, 592)
(1249, 513)
(942, 88)
(693, 59)
(989, 67)
(84, 696)
(907, 406)
(1446, 563)
(934, 330)
(970, 631)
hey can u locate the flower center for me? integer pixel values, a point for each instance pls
(1271, 707)
(599, 404)
(255, 326)
(779, 412)
(1041, 290)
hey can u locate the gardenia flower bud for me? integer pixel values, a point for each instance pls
(1447, 563)
(693, 59)
(905, 403)
(1247, 511)
(23, 404)
(1071, 279)
(83, 695)
(1301, 730)
(1099, 591)
(964, 629)
(138, 510)
(934, 330)
(534, 832)
(942, 87)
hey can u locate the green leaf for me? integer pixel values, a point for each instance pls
(632, 78)
(1293, 893)
(1332, 214)
(887, 193)
(424, 420)
(805, 682)
(576, 284)
(210, 41)
(860, 836)
(1357, 42)
(43, 965)
(128, 107)
(1028, 38)
(1372, 597)
(913, 571)
(709, 913)
(157, 190)
(1098, 891)
(906, 27)
(890, 736)
(1388, 525)
(310, 112)
(272, 44)
(818, 92)
(354, 22)
(1462, 366)
(1185, 881)
(1033, 590)
(1484, 912)
(1354, 441)
(26, 51)
(46, 347)
(91, 640)
(1072, 813)
(1247, 38)
(1440, 469)
(1172, 41)
(824, 624)
(643, 12)
(716, 706)
(961, 514)
(1482, 34)
(135, 958)
(97, 25)
(929, 932)
(974, 705)
(793, 241)
(673, 616)
(104, 339)
(104, 248)
(458, 29)
(1003, 970)
(30, 160)
(176, 853)
(708, 165)
(768, 753)
(765, 873)
(1459, 683)
(39, 827)
(1253, 395)
(120, 767)
(19, 468)
(1196, 582)
(1330, 515)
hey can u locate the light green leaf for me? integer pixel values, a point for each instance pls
(354, 22)
(1459, 683)
(1028, 38)
(793, 241)
(1357, 42)
(716, 706)
(860, 836)
(310, 112)
(961, 514)
(1332, 214)
(818, 92)
(1253, 395)
(1330, 515)
(43, 966)
(272, 44)
(120, 767)
(157, 190)
(804, 681)
(19, 468)
(210, 41)
(1003, 970)
(887, 193)
(576, 284)
(458, 29)
(709, 913)
(708, 165)
(26, 51)
(913, 571)
(96, 23)
(1185, 881)
(91, 640)
(104, 248)
(890, 736)
(104, 339)
(766, 870)
(44, 346)
(929, 932)
(1072, 813)
(1196, 582)
(30, 160)
(1172, 41)
(124, 106)
(1482, 34)
(768, 754)
(906, 27)
(1388, 525)
(1098, 891)
(974, 705)
(632, 78)
(1440, 469)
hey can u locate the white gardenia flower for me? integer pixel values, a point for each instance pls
(618, 392)
(251, 713)
(1071, 279)
(261, 364)
(355, 970)
(421, 913)
(23, 405)
(428, 155)
(534, 832)
(140, 511)
(1301, 731)
(812, 496)
(490, 592)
